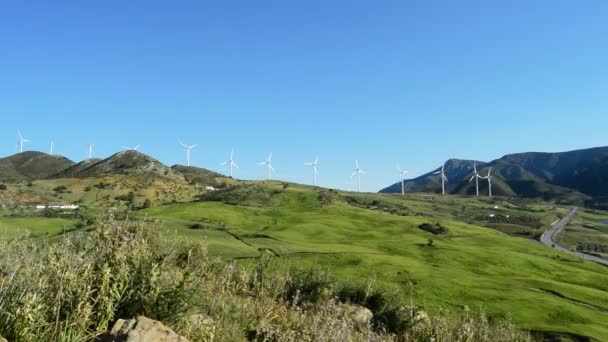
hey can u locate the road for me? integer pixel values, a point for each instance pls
(547, 238)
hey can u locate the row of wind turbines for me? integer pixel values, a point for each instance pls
(231, 163)
(476, 176)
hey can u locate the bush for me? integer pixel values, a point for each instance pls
(3, 187)
(76, 287)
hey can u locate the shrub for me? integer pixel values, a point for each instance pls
(76, 287)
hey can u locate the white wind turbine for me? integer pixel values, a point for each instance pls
(489, 178)
(358, 173)
(314, 170)
(475, 176)
(21, 141)
(91, 150)
(128, 148)
(231, 163)
(51, 146)
(268, 163)
(444, 179)
(188, 148)
(402, 174)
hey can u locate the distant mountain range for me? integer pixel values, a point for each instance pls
(573, 175)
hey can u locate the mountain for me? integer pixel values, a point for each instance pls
(122, 163)
(578, 174)
(32, 165)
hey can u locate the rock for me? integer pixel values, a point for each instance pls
(359, 314)
(142, 329)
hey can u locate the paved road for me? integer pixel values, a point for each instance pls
(547, 238)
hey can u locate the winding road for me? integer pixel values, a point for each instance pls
(547, 238)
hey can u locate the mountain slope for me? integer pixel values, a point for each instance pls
(198, 175)
(32, 165)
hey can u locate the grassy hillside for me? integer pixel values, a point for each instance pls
(362, 236)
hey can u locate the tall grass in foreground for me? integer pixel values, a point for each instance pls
(75, 288)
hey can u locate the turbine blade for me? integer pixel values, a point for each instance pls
(234, 164)
(353, 175)
(473, 177)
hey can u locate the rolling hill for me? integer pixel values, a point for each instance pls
(573, 175)
(31, 165)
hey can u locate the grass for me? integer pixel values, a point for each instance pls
(75, 288)
(588, 233)
(363, 236)
(543, 289)
(35, 226)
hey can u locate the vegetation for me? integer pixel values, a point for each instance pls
(73, 289)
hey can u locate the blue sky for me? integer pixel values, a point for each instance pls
(386, 82)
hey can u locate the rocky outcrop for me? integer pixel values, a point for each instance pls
(141, 329)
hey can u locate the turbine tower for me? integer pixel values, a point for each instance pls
(51, 145)
(231, 163)
(314, 165)
(489, 178)
(91, 151)
(268, 163)
(358, 173)
(127, 148)
(402, 174)
(444, 179)
(188, 148)
(475, 176)
(21, 141)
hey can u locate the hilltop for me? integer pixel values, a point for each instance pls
(574, 175)
(32, 165)
(127, 163)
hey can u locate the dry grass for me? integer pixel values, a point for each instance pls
(75, 288)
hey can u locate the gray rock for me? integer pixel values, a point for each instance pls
(142, 329)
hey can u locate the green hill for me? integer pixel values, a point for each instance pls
(31, 165)
(199, 175)
(359, 236)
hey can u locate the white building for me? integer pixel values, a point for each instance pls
(53, 205)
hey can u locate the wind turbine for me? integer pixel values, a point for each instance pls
(21, 141)
(314, 170)
(127, 148)
(51, 145)
(268, 163)
(91, 150)
(188, 149)
(402, 174)
(444, 179)
(475, 176)
(358, 173)
(489, 178)
(230, 162)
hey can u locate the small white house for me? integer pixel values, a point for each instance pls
(209, 188)
(57, 206)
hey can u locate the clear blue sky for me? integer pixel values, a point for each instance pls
(386, 82)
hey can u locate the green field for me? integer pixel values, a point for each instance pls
(480, 267)
(35, 226)
(588, 233)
